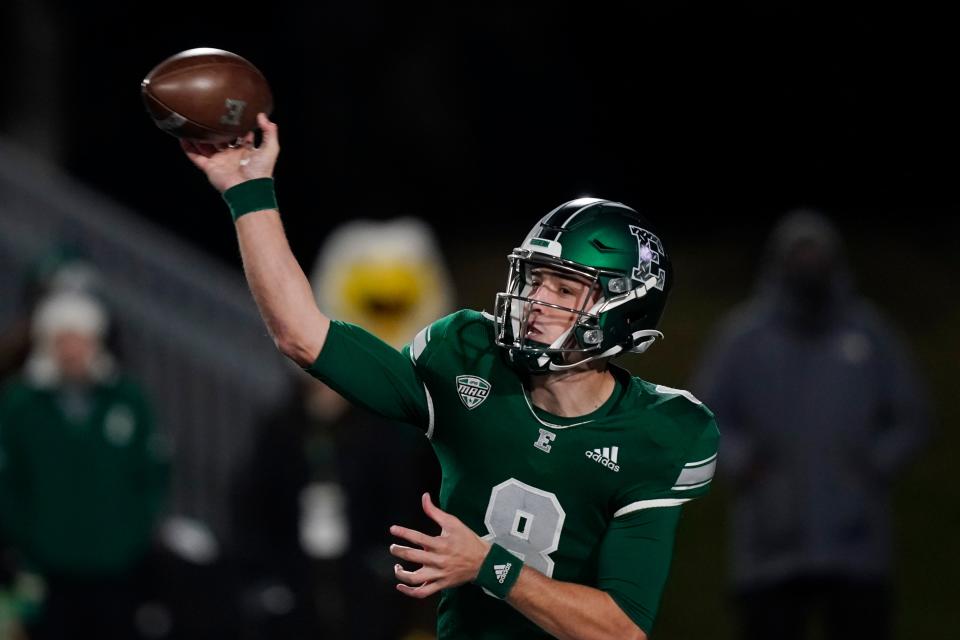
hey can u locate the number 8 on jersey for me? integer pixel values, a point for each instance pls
(526, 521)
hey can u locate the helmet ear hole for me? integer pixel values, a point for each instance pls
(618, 285)
(592, 336)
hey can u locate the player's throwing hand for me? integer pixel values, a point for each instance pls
(228, 166)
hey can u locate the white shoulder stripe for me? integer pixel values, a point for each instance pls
(700, 462)
(670, 391)
(488, 316)
(696, 475)
(430, 417)
(419, 343)
(649, 504)
(687, 487)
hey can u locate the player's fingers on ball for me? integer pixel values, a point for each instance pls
(190, 149)
(205, 149)
(198, 159)
(417, 538)
(270, 139)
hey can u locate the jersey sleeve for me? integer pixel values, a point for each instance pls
(430, 340)
(634, 561)
(424, 349)
(637, 549)
(699, 464)
(687, 440)
(370, 373)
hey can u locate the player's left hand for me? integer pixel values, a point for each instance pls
(448, 560)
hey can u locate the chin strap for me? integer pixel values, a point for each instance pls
(557, 344)
(649, 336)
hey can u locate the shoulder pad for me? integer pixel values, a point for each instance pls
(464, 330)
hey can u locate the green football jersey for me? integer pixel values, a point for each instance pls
(592, 500)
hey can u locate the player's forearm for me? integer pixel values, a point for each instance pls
(280, 288)
(570, 611)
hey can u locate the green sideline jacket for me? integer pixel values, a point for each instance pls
(79, 497)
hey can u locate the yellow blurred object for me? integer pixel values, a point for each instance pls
(382, 297)
(387, 277)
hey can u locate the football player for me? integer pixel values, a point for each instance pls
(563, 475)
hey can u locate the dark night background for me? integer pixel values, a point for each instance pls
(714, 118)
(481, 117)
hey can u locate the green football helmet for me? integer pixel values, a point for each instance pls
(614, 249)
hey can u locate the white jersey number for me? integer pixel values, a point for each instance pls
(526, 521)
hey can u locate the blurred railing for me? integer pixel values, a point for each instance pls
(189, 330)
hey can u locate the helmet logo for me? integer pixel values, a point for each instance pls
(649, 250)
(473, 390)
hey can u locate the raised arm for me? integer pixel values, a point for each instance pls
(278, 284)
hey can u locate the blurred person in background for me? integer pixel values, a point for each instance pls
(82, 473)
(820, 408)
(325, 479)
(63, 267)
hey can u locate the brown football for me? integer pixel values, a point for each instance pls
(206, 95)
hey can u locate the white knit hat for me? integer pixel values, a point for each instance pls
(69, 311)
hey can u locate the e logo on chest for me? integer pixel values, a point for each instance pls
(543, 442)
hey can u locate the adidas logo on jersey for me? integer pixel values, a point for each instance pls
(607, 456)
(502, 570)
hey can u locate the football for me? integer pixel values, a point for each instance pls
(206, 95)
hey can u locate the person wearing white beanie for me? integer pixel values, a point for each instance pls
(83, 475)
(68, 330)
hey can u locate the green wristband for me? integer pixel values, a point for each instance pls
(252, 195)
(499, 572)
